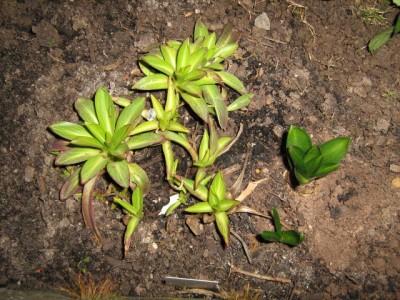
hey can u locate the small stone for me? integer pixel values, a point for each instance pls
(263, 22)
(278, 130)
(394, 168)
(382, 125)
(396, 183)
(29, 174)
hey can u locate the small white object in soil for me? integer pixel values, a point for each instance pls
(172, 200)
(263, 22)
(150, 115)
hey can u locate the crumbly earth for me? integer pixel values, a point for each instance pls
(311, 68)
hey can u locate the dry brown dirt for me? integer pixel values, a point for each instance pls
(311, 69)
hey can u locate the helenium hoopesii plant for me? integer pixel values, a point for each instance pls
(102, 144)
(310, 161)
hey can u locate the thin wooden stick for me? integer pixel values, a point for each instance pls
(264, 277)
(244, 245)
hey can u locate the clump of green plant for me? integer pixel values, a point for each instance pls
(383, 37)
(104, 143)
(309, 161)
(289, 237)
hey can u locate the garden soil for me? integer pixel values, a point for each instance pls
(308, 66)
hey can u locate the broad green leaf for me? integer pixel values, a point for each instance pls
(334, 150)
(159, 64)
(172, 102)
(195, 61)
(169, 55)
(190, 88)
(232, 81)
(380, 39)
(193, 75)
(296, 157)
(86, 111)
(222, 220)
(69, 131)
(138, 177)
(152, 82)
(226, 51)
(172, 136)
(213, 97)
(270, 236)
(118, 137)
(177, 127)
(76, 155)
(227, 36)
(204, 144)
(137, 201)
(299, 138)
(313, 166)
(225, 205)
(292, 237)
(105, 110)
(71, 185)
(240, 102)
(325, 169)
(199, 208)
(200, 30)
(397, 24)
(200, 175)
(168, 157)
(222, 143)
(301, 177)
(174, 44)
(277, 222)
(209, 41)
(146, 69)
(217, 188)
(311, 154)
(124, 102)
(93, 167)
(208, 79)
(87, 142)
(131, 114)
(183, 55)
(119, 172)
(145, 127)
(157, 106)
(120, 151)
(200, 192)
(215, 66)
(144, 140)
(97, 131)
(198, 105)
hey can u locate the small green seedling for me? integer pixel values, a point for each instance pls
(313, 161)
(384, 36)
(217, 203)
(135, 212)
(82, 265)
(289, 237)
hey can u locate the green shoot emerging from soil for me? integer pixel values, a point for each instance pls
(289, 237)
(310, 161)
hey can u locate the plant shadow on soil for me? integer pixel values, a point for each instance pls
(311, 69)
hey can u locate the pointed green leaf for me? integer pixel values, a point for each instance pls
(87, 142)
(177, 127)
(204, 144)
(200, 30)
(172, 136)
(159, 64)
(130, 229)
(139, 178)
(131, 114)
(215, 66)
(226, 51)
(97, 131)
(397, 23)
(209, 79)
(69, 131)
(213, 97)
(222, 220)
(93, 167)
(225, 205)
(144, 140)
(118, 137)
(296, 156)
(292, 237)
(301, 177)
(199, 208)
(183, 55)
(325, 169)
(128, 207)
(71, 185)
(198, 105)
(174, 44)
(334, 150)
(119, 152)
(210, 40)
(169, 55)
(124, 102)
(311, 154)
(299, 138)
(105, 110)
(217, 189)
(137, 201)
(200, 192)
(227, 36)
(193, 75)
(195, 61)
(270, 236)
(119, 172)
(76, 155)
(277, 222)
(240, 102)
(200, 175)
(380, 39)
(158, 108)
(313, 166)
(86, 111)
(152, 82)
(223, 142)
(190, 88)
(87, 206)
(172, 102)
(145, 127)
(232, 81)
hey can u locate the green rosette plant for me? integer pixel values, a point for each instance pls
(215, 201)
(309, 161)
(196, 72)
(289, 237)
(104, 143)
